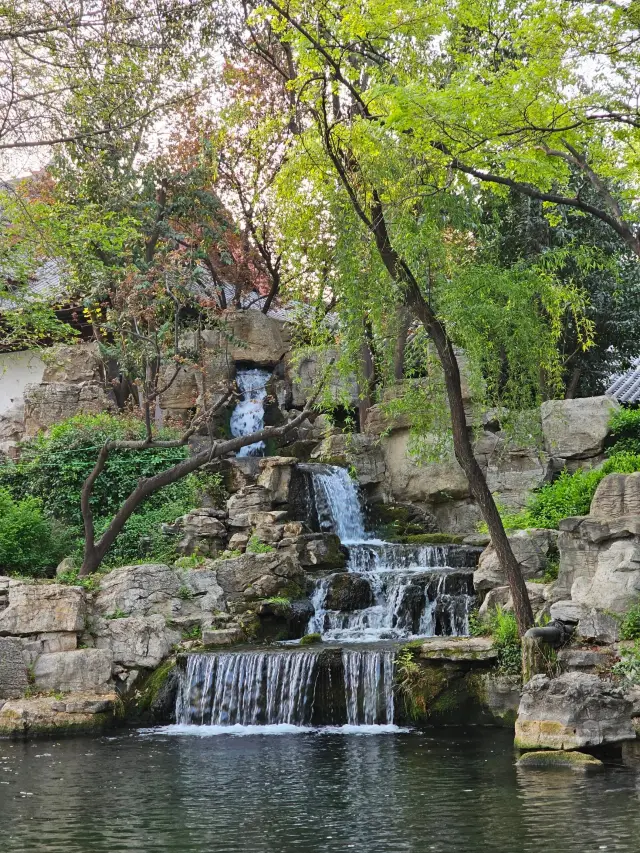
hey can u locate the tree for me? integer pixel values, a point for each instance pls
(415, 243)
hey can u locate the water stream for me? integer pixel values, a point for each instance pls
(248, 415)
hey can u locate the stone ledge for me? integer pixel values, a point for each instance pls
(458, 649)
(43, 715)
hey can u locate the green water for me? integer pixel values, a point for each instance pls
(453, 790)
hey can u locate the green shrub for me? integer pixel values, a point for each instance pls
(630, 625)
(255, 546)
(624, 435)
(506, 640)
(628, 667)
(29, 544)
(142, 538)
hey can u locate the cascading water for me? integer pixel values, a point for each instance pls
(414, 591)
(299, 688)
(248, 415)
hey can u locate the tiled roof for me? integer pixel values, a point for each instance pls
(626, 387)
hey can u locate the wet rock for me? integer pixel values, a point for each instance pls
(572, 711)
(580, 761)
(39, 608)
(80, 671)
(576, 429)
(354, 449)
(346, 591)
(13, 672)
(48, 715)
(317, 552)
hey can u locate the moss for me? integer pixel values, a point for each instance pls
(430, 539)
(154, 683)
(311, 639)
(560, 758)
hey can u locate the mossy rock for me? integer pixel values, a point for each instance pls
(561, 758)
(156, 697)
(311, 639)
(433, 539)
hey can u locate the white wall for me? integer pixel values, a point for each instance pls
(17, 369)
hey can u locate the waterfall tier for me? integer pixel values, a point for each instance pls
(300, 688)
(248, 415)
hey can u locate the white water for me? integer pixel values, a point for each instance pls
(276, 729)
(248, 415)
(368, 681)
(416, 591)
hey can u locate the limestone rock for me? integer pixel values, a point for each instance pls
(207, 594)
(73, 363)
(409, 480)
(501, 596)
(512, 472)
(598, 627)
(347, 591)
(223, 637)
(137, 641)
(561, 758)
(576, 429)
(532, 549)
(147, 589)
(39, 608)
(317, 552)
(80, 671)
(12, 429)
(264, 339)
(572, 711)
(13, 672)
(255, 576)
(586, 660)
(48, 715)
(200, 533)
(53, 641)
(616, 495)
(244, 503)
(459, 517)
(361, 451)
(275, 476)
(49, 403)
(458, 649)
(304, 372)
(567, 611)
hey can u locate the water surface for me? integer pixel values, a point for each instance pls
(318, 792)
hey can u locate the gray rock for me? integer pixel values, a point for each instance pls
(255, 576)
(567, 611)
(576, 429)
(39, 608)
(617, 495)
(304, 372)
(599, 627)
(532, 549)
(13, 672)
(316, 552)
(347, 591)
(585, 659)
(140, 590)
(137, 641)
(46, 404)
(245, 502)
(83, 670)
(275, 476)
(407, 479)
(48, 715)
(223, 636)
(200, 533)
(501, 596)
(73, 364)
(356, 449)
(572, 711)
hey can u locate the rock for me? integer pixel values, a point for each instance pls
(223, 637)
(567, 611)
(512, 472)
(14, 679)
(498, 694)
(255, 576)
(353, 449)
(12, 430)
(409, 480)
(501, 596)
(64, 566)
(73, 363)
(587, 660)
(275, 476)
(47, 404)
(55, 641)
(80, 671)
(137, 641)
(532, 549)
(304, 371)
(244, 503)
(572, 711)
(458, 517)
(599, 627)
(39, 608)
(347, 591)
(616, 495)
(561, 758)
(239, 541)
(317, 552)
(576, 429)
(183, 392)
(48, 715)
(261, 340)
(139, 590)
(200, 533)
(458, 649)
(207, 596)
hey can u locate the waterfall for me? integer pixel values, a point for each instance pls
(368, 682)
(248, 415)
(299, 688)
(338, 504)
(248, 688)
(417, 590)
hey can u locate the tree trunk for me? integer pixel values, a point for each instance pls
(404, 321)
(574, 381)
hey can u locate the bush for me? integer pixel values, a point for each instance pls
(506, 640)
(630, 625)
(628, 667)
(29, 543)
(624, 433)
(141, 537)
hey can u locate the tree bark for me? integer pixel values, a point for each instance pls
(404, 322)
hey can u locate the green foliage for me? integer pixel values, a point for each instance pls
(506, 639)
(478, 627)
(311, 639)
(255, 546)
(29, 543)
(141, 537)
(418, 684)
(193, 633)
(117, 614)
(190, 562)
(72, 578)
(630, 625)
(628, 667)
(279, 601)
(185, 593)
(625, 432)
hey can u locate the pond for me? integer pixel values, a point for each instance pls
(386, 791)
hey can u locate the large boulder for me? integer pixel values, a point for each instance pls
(200, 532)
(617, 495)
(245, 503)
(14, 678)
(49, 403)
(275, 476)
(407, 479)
(347, 591)
(256, 338)
(532, 549)
(353, 449)
(137, 641)
(139, 590)
(81, 671)
(316, 552)
(12, 430)
(73, 363)
(512, 471)
(53, 715)
(254, 576)
(39, 608)
(576, 429)
(573, 711)
(304, 371)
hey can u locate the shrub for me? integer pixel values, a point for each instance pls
(630, 626)
(506, 640)
(29, 543)
(255, 546)
(624, 433)
(142, 538)
(628, 667)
